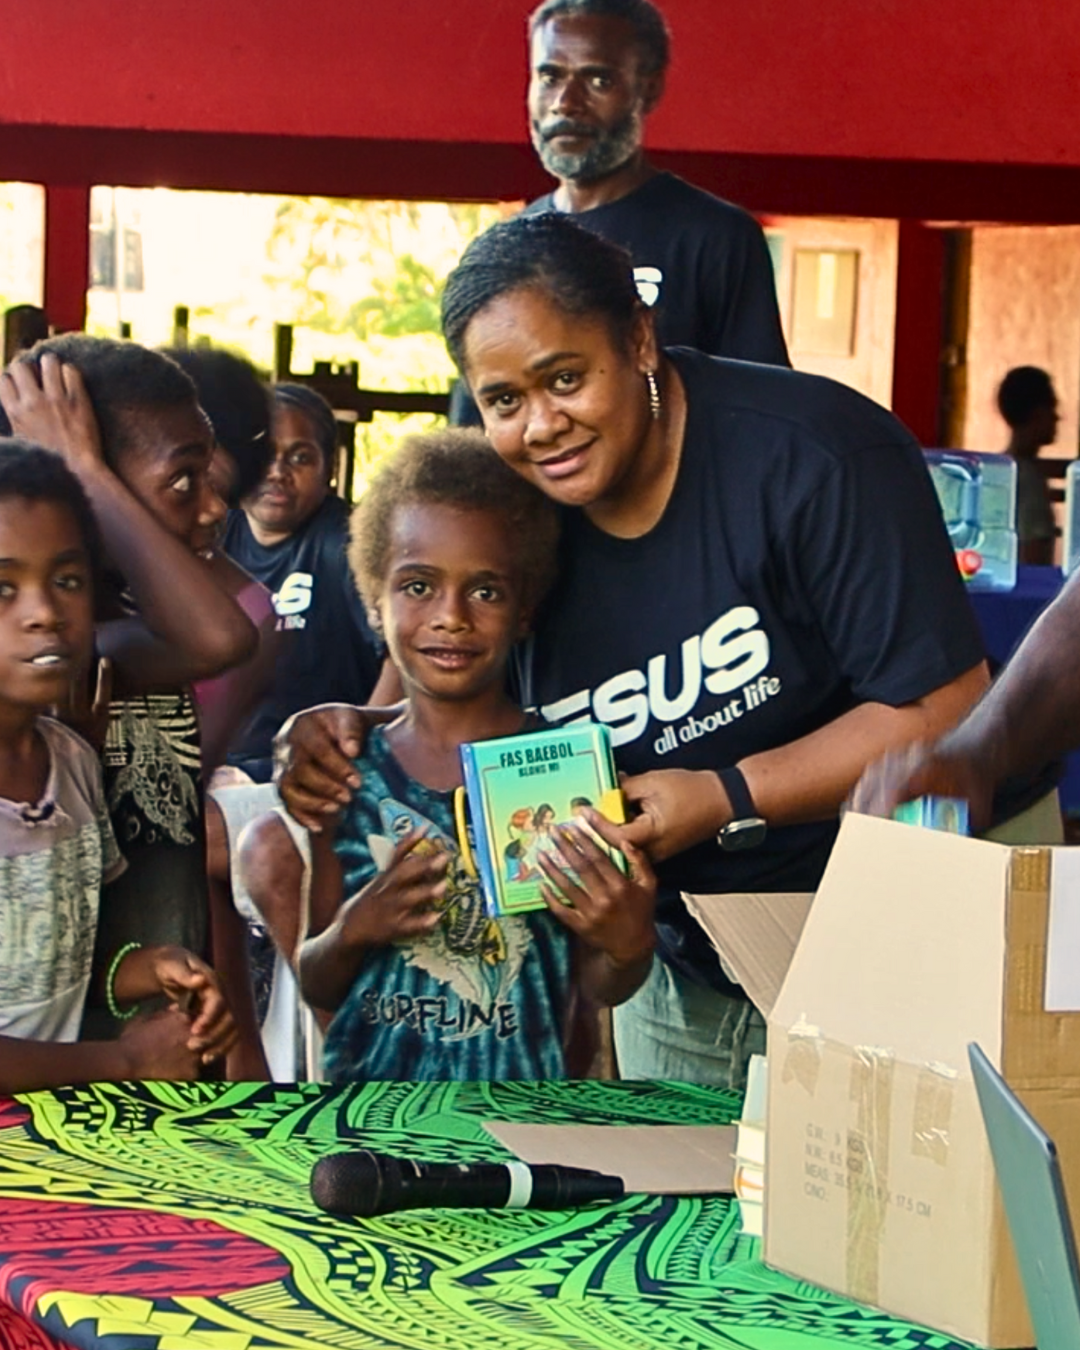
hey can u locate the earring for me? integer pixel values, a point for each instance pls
(654, 394)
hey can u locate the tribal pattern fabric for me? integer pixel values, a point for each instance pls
(160, 1216)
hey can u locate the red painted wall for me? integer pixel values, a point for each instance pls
(975, 81)
(859, 107)
(896, 108)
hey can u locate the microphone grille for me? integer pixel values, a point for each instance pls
(347, 1183)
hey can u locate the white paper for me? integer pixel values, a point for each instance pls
(651, 1159)
(1063, 933)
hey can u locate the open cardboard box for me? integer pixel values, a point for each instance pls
(879, 1181)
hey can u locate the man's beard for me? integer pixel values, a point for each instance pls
(609, 150)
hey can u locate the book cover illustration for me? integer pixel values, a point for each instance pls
(935, 813)
(519, 789)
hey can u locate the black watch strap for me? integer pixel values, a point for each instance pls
(742, 804)
(745, 829)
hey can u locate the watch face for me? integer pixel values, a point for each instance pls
(740, 834)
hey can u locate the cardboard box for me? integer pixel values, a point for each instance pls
(879, 1181)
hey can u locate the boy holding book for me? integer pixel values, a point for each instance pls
(452, 551)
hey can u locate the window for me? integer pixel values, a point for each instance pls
(825, 300)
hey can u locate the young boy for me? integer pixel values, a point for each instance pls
(451, 551)
(56, 842)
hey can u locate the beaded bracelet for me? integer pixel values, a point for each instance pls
(110, 982)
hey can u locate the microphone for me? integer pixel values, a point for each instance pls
(364, 1183)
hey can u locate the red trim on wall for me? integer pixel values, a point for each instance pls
(428, 170)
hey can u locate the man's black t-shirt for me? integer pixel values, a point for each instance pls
(801, 567)
(700, 263)
(327, 653)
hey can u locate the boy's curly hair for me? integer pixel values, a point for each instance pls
(455, 467)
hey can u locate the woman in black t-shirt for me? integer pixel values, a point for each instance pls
(757, 595)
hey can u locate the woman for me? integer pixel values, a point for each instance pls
(291, 536)
(757, 597)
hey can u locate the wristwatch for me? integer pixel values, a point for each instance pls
(745, 829)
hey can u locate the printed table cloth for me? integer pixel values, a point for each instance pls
(160, 1216)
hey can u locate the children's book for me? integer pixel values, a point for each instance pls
(519, 788)
(935, 813)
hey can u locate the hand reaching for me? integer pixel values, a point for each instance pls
(922, 771)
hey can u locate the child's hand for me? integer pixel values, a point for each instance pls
(50, 406)
(401, 902)
(157, 1047)
(609, 910)
(196, 990)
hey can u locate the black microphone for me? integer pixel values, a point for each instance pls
(364, 1183)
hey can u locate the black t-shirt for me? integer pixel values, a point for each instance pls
(801, 567)
(701, 263)
(151, 766)
(328, 652)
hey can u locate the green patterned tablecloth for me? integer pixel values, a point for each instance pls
(165, 1216)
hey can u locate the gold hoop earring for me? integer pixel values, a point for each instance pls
(654, 394)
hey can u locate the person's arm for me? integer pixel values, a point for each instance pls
(867, 557)
(313, 759)
(320, 970)
(609, 911)
(805, 780)
(396, 904)
(246, 1061)
(188, 627)
(226, 701)
(151, 1047)
(272, 869)
(1029, 716)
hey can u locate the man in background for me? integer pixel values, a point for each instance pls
(597, 69)
(1027, 401)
